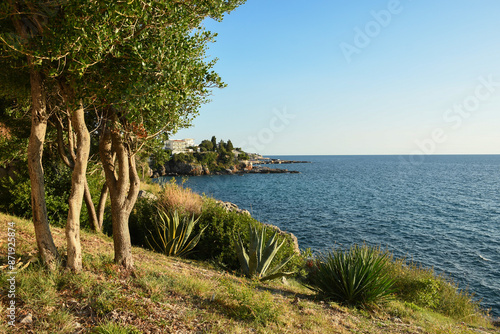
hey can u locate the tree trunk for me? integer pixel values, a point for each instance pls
(123, 184)
(45, 243)
(44, 240)
(102, 205)
(95, 225)
(78, 185)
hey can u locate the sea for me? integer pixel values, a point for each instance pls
(441, 211)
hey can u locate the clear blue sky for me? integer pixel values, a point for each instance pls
(356, 77)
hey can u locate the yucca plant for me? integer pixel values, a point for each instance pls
(172, 234)
(256, 263)
(359, 276)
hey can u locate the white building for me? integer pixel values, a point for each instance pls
(179, 145)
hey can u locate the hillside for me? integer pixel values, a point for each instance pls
(170, 295)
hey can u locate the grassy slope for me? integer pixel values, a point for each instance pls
(168, 295)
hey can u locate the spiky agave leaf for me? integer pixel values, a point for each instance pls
(242, 256)
(357, 276)
(258, 260)
(174, 234)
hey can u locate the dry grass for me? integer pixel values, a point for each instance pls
(175, 197)
(169, 295)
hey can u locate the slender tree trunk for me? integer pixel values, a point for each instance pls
(123, 183)
(102, 205)
(95, 225)
(44, 240)
(78, 185)
(45, 243)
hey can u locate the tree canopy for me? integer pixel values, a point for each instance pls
(138, 67)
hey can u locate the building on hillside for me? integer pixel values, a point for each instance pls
(179, 145)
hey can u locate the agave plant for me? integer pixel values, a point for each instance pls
(172, 235)
(256, 262)
(359, 276)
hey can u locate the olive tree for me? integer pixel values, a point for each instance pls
(139, 65)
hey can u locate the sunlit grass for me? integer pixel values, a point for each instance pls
(174, 295)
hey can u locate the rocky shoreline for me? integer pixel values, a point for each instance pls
(194, 169)
(278, 162)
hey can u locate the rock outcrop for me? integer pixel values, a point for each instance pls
(295, 241)
(232, 207)
(172, 168)
(147, 195)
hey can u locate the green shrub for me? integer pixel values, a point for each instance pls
(15, 194)
(424, 288)
(218, 242)
(243, 156)
(141, 221)
(358, 276)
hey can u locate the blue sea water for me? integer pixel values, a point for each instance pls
(440, 211)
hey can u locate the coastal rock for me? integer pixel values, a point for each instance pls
(266, 161)
(147, 195)
(245, 165)
(173, 168)
(295, 241)
(181, 168)
(232, 207)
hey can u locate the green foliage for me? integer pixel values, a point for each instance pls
(207, 158)
(183, 157)
(421, 287)
(243, 156)
(14, 131)
(219, 244)
(221, 148)
(206, 145)
(256, 262)
(358, 276)
(172, 235)
(15, 193)
(141, 219)
(160, 157)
